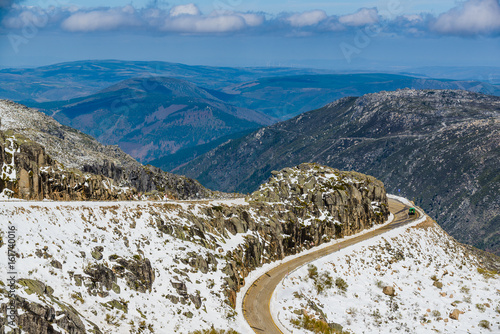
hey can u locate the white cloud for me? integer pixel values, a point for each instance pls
(471, 18)
(474, 17)
(101, 20)
(180, 19)
(204, 24)
(307, 18)
(189, 9)
(362, 17)
(413, 18)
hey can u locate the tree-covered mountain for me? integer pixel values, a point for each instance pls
(155, 116)
(439, 147)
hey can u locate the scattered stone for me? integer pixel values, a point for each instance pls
(389, 291)
(97, 255)
(56, 264)
(454, 314)
(438, 284)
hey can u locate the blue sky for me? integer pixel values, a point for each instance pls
(383, 34)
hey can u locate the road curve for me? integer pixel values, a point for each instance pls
(256, 303)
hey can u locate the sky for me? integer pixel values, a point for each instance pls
(337, 34)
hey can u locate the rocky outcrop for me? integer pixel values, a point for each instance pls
(118, 262)
(137, 272)
(29, 173)
(47, 318)
(298, 208)
(101, 278)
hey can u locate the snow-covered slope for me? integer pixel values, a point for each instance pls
(175, 267)
(434, 279)
(79, 248)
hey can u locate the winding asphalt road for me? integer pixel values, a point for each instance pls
(256, 303)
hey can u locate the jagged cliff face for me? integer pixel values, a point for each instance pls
(439, 148)
(75, 150)
(165, 267)
(29, 173)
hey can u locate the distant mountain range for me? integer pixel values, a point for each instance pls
(440, 148)
(167, 114)
(70, 80)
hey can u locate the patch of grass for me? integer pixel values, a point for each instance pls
(312, 271)
(341, 284)
(78, 296)
(214, 331)
(481, 307)
(352, 311)
(484, 324)
(487, 273)
(323, 282)
(315, 325)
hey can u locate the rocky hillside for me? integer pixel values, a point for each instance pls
(154, 116)
(145, 267)
(40, 140)
(413, 280)
(437, 147)
(29, 173)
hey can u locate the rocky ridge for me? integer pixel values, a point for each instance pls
(181, 261)
(75, 150)
(29, 173)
